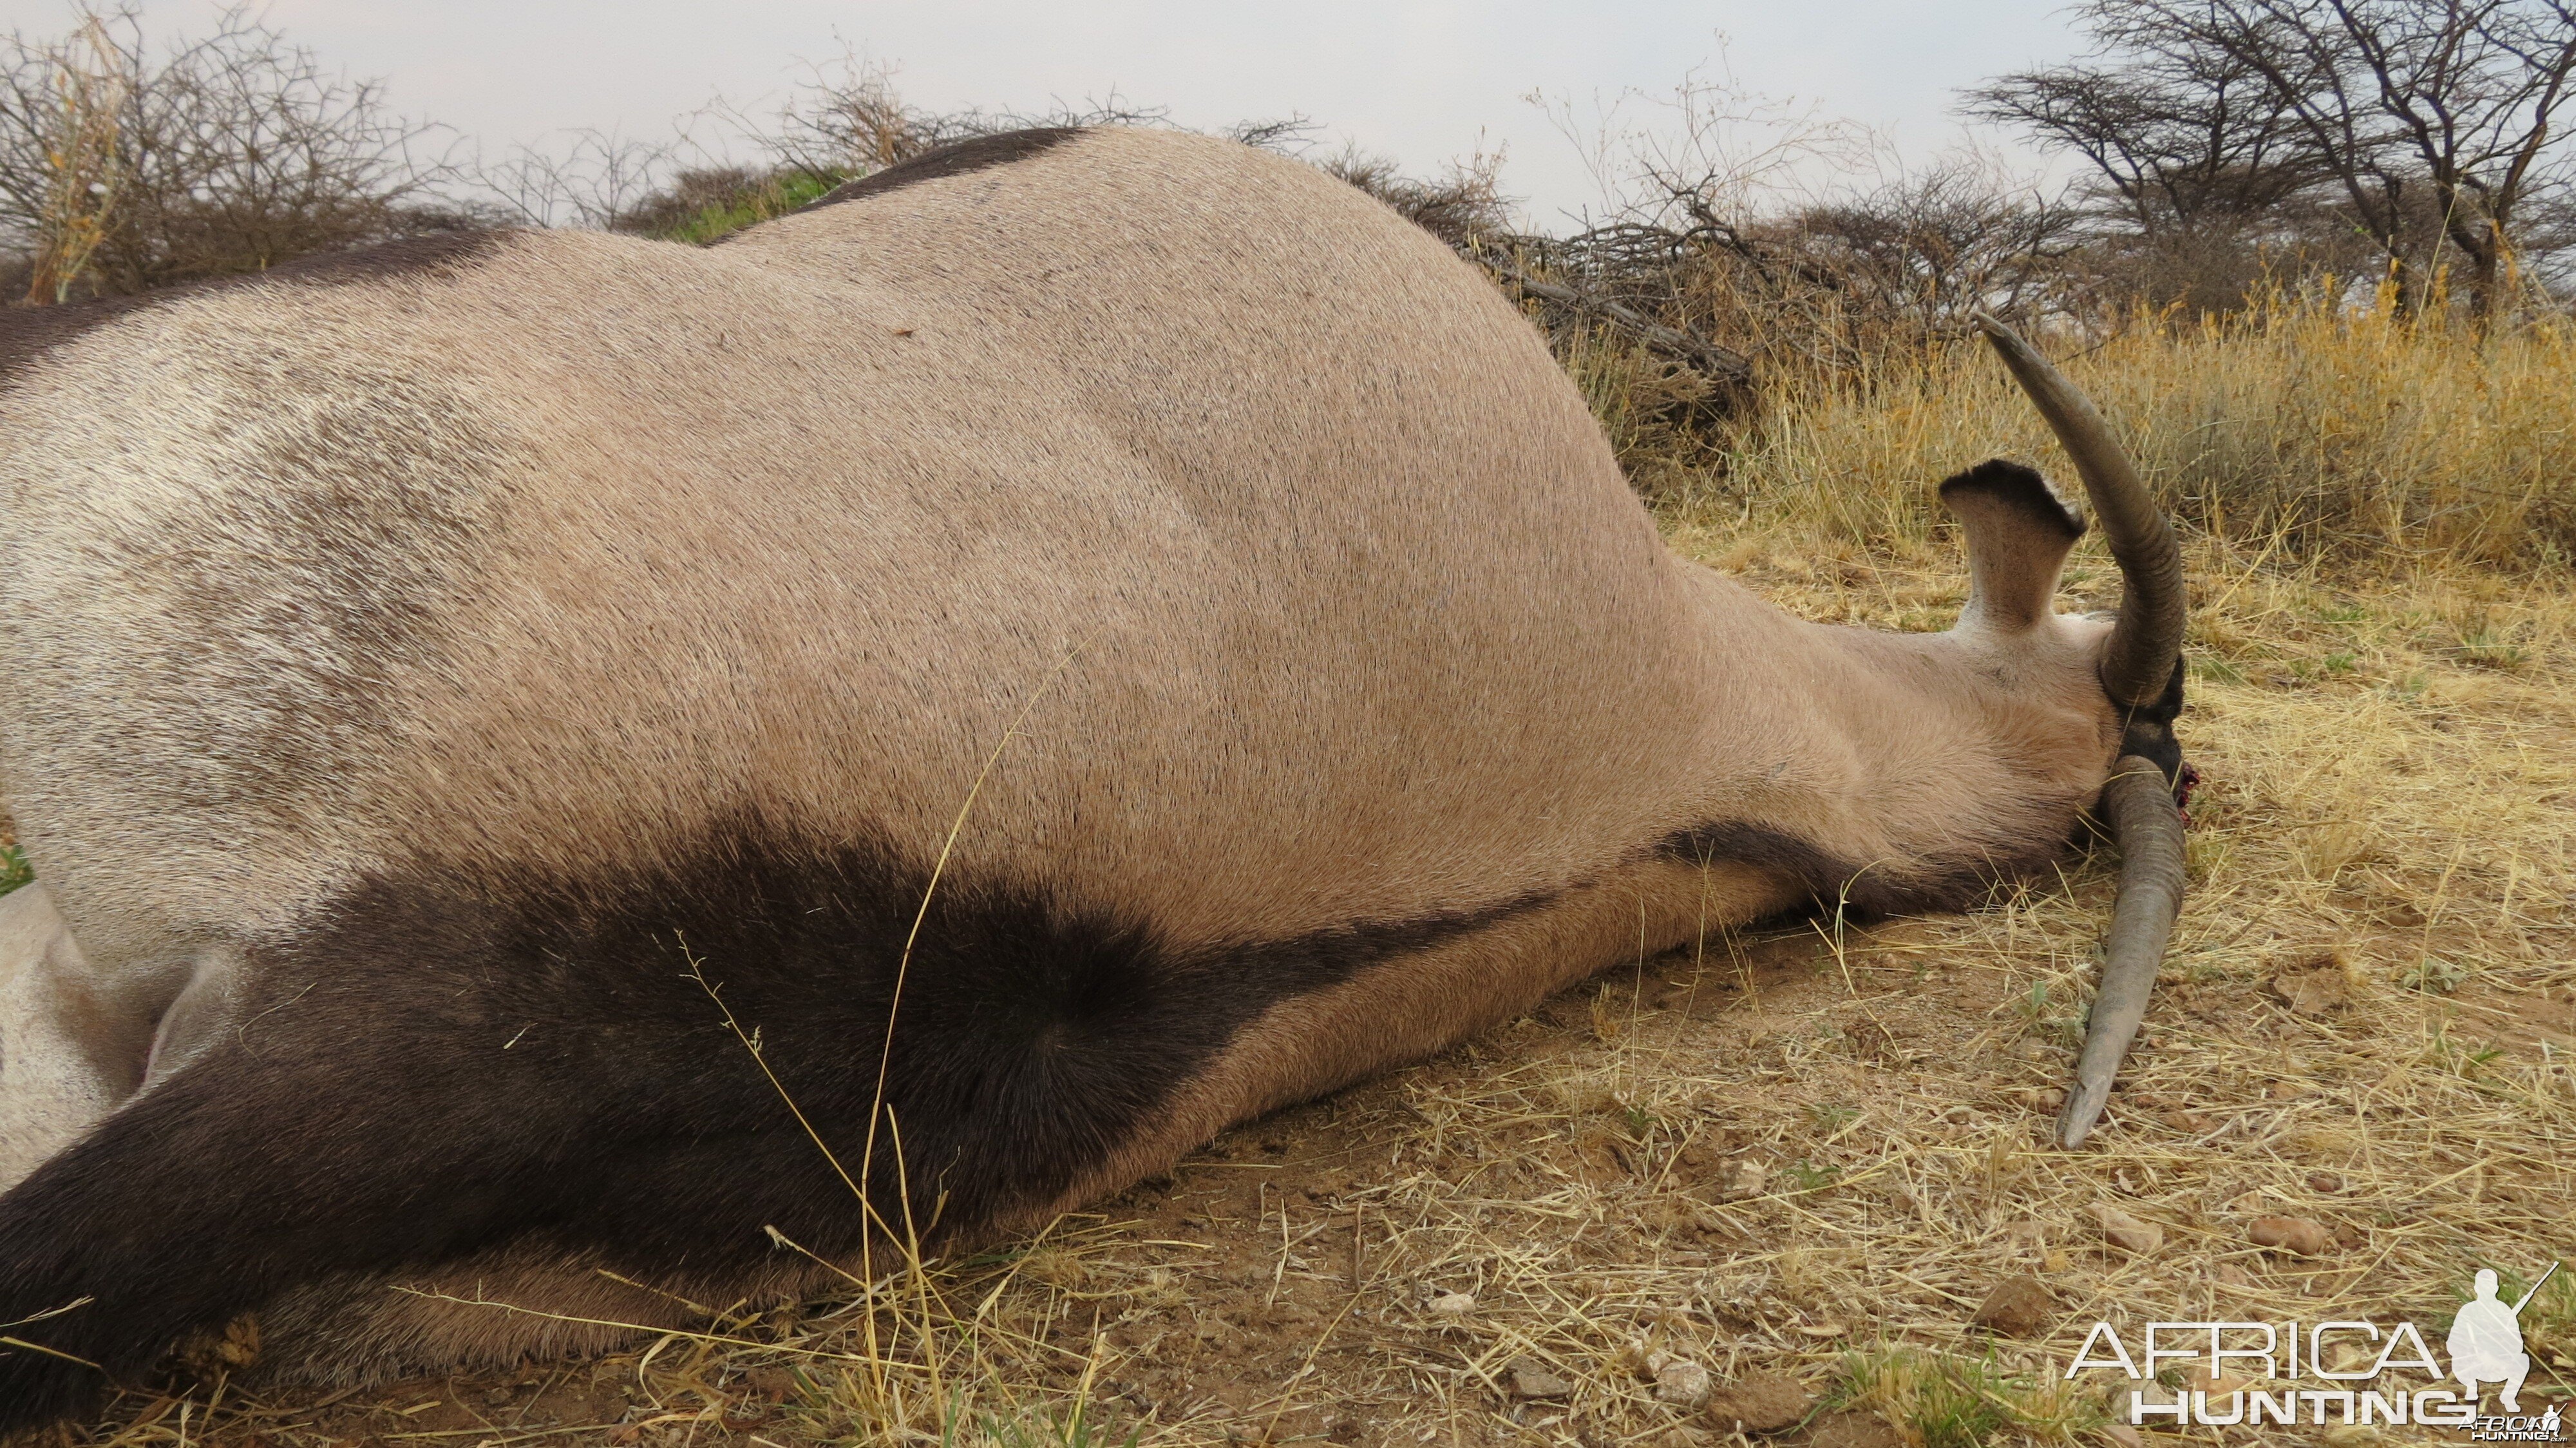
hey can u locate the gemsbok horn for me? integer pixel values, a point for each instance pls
(558, 762)
(2140, 661)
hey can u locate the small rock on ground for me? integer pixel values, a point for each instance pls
(2019, 1306)
(2291, 1234)
(1529, 1380)
(1758, 1403)
(2313, 992)
(2128, 1233)
(1681, 1382)
(1745, 1178)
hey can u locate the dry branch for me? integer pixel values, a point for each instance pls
(1708, 357)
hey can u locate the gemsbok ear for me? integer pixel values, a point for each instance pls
(2019, 533)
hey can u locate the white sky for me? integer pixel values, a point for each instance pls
(1422, 80)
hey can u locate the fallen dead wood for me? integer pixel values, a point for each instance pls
(1717, 362)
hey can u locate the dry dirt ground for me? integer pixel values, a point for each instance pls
(1802, 1161)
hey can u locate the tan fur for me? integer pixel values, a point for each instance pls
(1330, 598)
(54, 1030)
(493, 1312)
(2015, 565)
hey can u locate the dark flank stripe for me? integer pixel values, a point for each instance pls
(437, 1066)
(26, 333)
(951, 160)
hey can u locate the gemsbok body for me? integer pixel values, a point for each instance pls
(1070, 643)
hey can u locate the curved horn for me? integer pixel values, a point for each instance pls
(2139, 659)
(2149, 828)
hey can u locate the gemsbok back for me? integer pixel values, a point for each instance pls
(1072, 641)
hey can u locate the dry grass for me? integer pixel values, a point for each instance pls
(1813, 1153)
(2328, 431)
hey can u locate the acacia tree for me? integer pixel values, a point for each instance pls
(2470, 91)
(2200, 170)
(2183, 135)
(2411, 122)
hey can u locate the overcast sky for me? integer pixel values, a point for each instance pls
(1422, 80)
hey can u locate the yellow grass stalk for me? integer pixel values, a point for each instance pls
(91, 78)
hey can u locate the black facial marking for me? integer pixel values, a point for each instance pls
(442, 1063)
(2147, 731)
(2024, 489)
(952, 160)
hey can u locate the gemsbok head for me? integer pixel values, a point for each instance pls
(552, 755)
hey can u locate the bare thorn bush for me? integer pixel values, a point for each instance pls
(120, 172)
(597, 180)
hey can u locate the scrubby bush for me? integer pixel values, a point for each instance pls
(121, 172)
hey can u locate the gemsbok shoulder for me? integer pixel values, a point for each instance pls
(1068, 643)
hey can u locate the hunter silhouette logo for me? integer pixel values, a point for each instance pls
(2258, 1369)
(2486, 1341)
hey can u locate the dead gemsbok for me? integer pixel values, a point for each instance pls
(457, 696)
